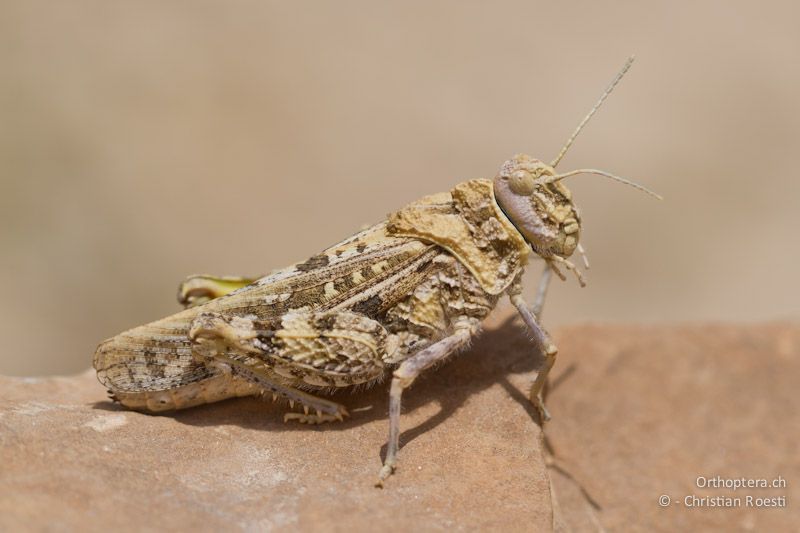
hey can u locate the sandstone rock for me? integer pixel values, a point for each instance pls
(638, 412)
(646, 410)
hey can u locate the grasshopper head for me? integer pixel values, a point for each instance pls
(539, 207)
(532, 196)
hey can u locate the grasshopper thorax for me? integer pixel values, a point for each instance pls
(539, 207)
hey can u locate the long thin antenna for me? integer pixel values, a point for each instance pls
(558, 177)
(614, 83)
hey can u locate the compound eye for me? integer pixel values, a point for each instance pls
(521, 182)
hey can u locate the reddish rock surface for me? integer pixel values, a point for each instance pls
(639, 412)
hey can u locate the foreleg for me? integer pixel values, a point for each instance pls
(545, 346)
(541, 291)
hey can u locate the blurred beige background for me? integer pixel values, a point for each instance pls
(143, 141)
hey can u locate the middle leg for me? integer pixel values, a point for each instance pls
(405, 375)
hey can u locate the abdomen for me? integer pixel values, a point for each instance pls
(151, 368)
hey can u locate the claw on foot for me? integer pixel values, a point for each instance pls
(385, 472)
(318, 418)
(538, 403)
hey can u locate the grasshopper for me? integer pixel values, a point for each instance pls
(397, 297)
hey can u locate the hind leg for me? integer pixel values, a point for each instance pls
(310, 350)
(201, 288)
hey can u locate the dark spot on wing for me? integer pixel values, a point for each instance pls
(423, 266)
(370, 307)
(318, 261)
(325, 322)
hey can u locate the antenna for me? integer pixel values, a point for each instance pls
(559, 177)
(610, 88)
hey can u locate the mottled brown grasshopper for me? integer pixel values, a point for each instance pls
(399, 296)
